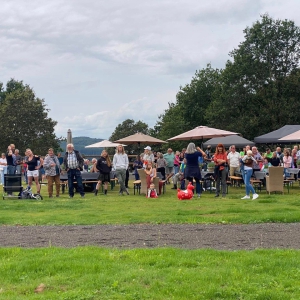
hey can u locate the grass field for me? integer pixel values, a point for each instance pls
(132, 209)
(94, 273)
(86, 273)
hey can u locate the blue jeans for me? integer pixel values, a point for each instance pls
(75, 174)
(11, 170)
(176, 169)
(247, 177)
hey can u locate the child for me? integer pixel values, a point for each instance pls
(152, 191)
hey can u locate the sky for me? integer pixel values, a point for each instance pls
(97, 63)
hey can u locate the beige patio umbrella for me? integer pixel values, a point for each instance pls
(103, 144)
(293, 137)
(200, 133)
(140, 138)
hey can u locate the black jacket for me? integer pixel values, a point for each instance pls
(79, 159)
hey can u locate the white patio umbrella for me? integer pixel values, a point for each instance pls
(103, 144)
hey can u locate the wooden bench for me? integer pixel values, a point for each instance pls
(64, 183)
(288, 183)
(256, 183)
(236, 181)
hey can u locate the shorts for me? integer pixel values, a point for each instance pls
(169, 170)
(34, 173)
(104, 177)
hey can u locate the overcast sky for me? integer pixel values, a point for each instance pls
(97, 63)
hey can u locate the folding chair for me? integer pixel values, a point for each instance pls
(12, 184)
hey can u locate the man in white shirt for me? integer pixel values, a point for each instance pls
(233, 160)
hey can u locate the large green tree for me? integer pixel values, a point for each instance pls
(126, 128)
(189, 109)
(259, 88)
(24, 119)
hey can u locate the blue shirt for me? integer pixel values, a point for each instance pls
(192, 159)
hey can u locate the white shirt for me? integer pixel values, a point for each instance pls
(3, 161)
(234, 158)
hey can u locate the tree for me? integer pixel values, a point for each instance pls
(126, 128)
(25, 120)
(189, 109)
(252, 97)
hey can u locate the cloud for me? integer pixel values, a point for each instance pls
(97, 63)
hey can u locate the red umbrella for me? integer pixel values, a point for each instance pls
(200, 133)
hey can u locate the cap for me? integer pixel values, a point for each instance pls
(148, 148)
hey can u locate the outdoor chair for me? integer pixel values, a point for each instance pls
(274, 181)
(143, 189)
(12, 184)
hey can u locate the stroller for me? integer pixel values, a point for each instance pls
(28, 194)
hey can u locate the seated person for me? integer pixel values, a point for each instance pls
(151, 175)
(161, 164)
(179, 176)
(266, 165)
(152, 191)
(137, 164)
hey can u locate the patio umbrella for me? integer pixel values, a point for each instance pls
(140, 138)
(103, 144)
(293, 137)
(200, 133)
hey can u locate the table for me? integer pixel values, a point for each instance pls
(87, 178)
(292, 170)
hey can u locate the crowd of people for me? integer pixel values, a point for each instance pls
(172, 166)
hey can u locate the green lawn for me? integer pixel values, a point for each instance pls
(115, 209)
(87, 273)
(95, 273)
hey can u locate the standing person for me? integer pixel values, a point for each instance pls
(33, 165)
(259, 159)
(220, 160)
(11, 159)
(287, 163)
(60, 158)
(73, 162)
(148, 155)
(275, 160)
(137, 164)
(52, 171)
(18, 162)
(151, 174)
(3, 167)
(192, 170)
(248, 170)
(120, 163)
(104, 166)
(176, 162)
(169, 157)
(161, 165)
(233, 158)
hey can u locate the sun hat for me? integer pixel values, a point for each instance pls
(148, 148)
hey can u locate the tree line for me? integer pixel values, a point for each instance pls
(257, 91)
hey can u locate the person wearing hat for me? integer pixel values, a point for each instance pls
(148, 155)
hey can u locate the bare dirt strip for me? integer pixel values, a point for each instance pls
(222, 237)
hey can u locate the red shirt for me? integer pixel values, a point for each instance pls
(222, 156)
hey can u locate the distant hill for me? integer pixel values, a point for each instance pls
(80, 142)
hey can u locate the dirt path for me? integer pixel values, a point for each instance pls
(223, 237)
